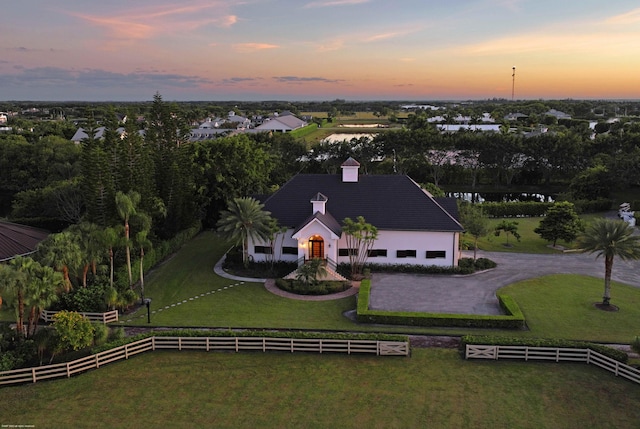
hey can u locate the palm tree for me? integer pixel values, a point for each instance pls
(610, 238)
(13, 280)
(62, 252)
(43, 283)
(143, 241)
(126, 205)
(89, 240)
(243, 220)
(110, 238)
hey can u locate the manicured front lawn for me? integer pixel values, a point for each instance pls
(561, 306)
(232, 304)
(434, 388)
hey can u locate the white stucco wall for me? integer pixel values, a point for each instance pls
(392, 241)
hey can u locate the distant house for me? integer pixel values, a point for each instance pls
(516, 116)
(454, 128)
(81, 134)
(18, 240)
(284, 122)
(558, 114)
(413, 227)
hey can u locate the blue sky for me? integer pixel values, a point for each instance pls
(311, 49)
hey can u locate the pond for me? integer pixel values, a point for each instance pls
(479, 197)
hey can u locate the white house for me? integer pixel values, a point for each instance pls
(413, 227)
(282, 123)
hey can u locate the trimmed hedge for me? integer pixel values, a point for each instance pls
(515, 209)
(465, 266)
(592, 206)
(320, 288)
(513, 320)
(615, 354)
(538, 209)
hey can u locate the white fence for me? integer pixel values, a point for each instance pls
(108, 317)
(587, 356)
(67, 369)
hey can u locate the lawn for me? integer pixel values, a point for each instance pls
(434, 388)
(189, 274)
(529, 242)
(561, 306)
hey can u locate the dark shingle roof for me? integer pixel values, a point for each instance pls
(391, 202)
(18, 240)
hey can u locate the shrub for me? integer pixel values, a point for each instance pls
(484, 264)
(635, 345)
(100, 333)
(515, 209)
(89, 299)
(321, 288)
(116, 334)
(592, 206)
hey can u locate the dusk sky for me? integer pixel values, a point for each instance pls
(124, 50)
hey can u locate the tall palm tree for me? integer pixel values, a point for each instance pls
(110, 238)
(89, 239)
(13, 280)
(142, 241)
(609, 238)
(62, 252)
(126, 205)
(41, 291)
(243, 220)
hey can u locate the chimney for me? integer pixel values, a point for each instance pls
(350, 170)
(319, 202)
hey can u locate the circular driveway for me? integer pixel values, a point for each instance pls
(476, 293)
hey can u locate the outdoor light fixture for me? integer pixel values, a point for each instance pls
(147, 302)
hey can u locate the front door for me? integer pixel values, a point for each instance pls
(316, 247)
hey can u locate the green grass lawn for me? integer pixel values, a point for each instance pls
(530, 242)
(561, 306)
(190, 273)
(433, 388)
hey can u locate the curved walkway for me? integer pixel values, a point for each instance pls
(476, 294)
(270, 285)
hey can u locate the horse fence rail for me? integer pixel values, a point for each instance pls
(588, 356)
(237, 344)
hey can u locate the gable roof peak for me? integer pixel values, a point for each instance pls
(350, 162)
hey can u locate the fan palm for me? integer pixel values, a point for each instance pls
(126, 205)
(244, 220)
(62, 252)
(609, 238)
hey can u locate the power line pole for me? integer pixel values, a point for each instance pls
(513, 83)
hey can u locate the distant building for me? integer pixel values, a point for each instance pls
(558, 114)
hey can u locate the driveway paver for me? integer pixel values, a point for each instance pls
(476, 294)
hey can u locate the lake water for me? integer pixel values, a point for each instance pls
(479, 197)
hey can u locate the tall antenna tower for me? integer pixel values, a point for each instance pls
(513, 83)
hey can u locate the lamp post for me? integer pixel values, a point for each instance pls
(147, 302)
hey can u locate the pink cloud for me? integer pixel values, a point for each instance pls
(253, 47)
(145, 23)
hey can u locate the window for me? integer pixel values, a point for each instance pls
(345, 252)
(262, 249)
(376, 253)
(405, 254)
(289, 250)
(434, 254)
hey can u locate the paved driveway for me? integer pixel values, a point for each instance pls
(475, 294)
